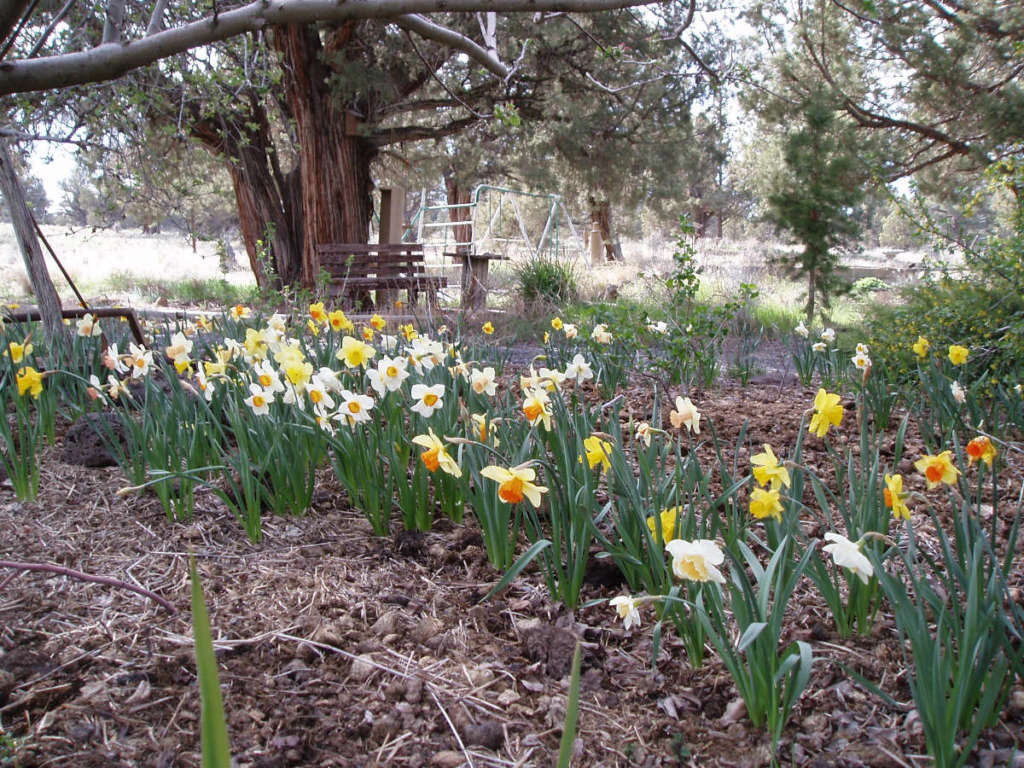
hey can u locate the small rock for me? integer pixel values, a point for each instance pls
(362, 667)
(413, 690)
(386, 624)
(489, 734)
(425, 629)
(448, 759)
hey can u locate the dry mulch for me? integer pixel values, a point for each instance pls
(340, 649)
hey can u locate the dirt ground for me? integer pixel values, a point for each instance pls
(337, 648)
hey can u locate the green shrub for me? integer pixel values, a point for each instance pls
(544, 279)
(866, 286)
(982, 310)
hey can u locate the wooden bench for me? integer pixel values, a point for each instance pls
(358, 268)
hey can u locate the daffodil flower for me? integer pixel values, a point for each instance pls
(29, 380)
(556, 323)
(578, 370)
(847, 554)
(980, 449)
(696, 560)
(958, 392)
(238, 312)
(355, 353)
(482, 428)
(958, 355)
(801, 330)
(515, 484)
(259, 400)
(482, 382)
(828, 413)
(436, 456)
(388, 375)
(354, 407)
(861, 360)
(667, 521)
(88, 326)
(937, 469)
(571, 330)
(894, 497)
(765, 504)
(601, 334)
(428, 399)
(597, 453)
(317, 313)
(644, 432)
(819, 346)
(828, 335)
(685, 414)
(141, 359)
(535, 408)
(18, 351)
(768, 470)
(921, 347)
(626, 607)
(378, 322)
(488, 328)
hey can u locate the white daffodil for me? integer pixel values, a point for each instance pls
(696, 560)
(428, 399)
(483, 382)
(578, 370)
(847, 554)
(388, 375)
(626, 607)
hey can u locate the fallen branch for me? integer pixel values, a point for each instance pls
(81, 576)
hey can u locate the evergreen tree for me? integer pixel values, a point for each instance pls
(815, 198)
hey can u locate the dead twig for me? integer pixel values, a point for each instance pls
(82, 576)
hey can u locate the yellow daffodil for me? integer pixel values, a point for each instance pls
(436, 455)
(980, 449)
(765, 504)
(29, 380)
(355, 353)
(488, 328)
(937, 469)
(515, 484)
(768, 470)
(18, 351)
(696, 560)
(317, 313)
(958, 355)
(667, 522)
(894, 497)
(921, 347)
(239, 312)
(597, 452)
(378, 322)
(313, 328)
(556, 323)
(339, 322)
(408, 332)
(626, 607)
(827, 413)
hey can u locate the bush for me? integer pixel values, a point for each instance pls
(983, 310)
(544, 279)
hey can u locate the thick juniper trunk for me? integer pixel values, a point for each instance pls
(269, 201)
(335, 160)
(459, 195)
(601, 218)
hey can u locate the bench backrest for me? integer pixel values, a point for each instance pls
(344, 260)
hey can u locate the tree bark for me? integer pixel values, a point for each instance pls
(601, 217)
(459, 195)
(335, 159)
(32, 253)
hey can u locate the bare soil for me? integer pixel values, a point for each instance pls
(337, 648)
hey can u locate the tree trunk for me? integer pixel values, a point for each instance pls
(335, 160)
(601, 218)
(459, 195)
(35, 266)
(811, 287)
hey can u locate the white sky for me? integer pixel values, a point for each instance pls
(52, 163)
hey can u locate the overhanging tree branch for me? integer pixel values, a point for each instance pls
(111, 60)
(424, 27)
